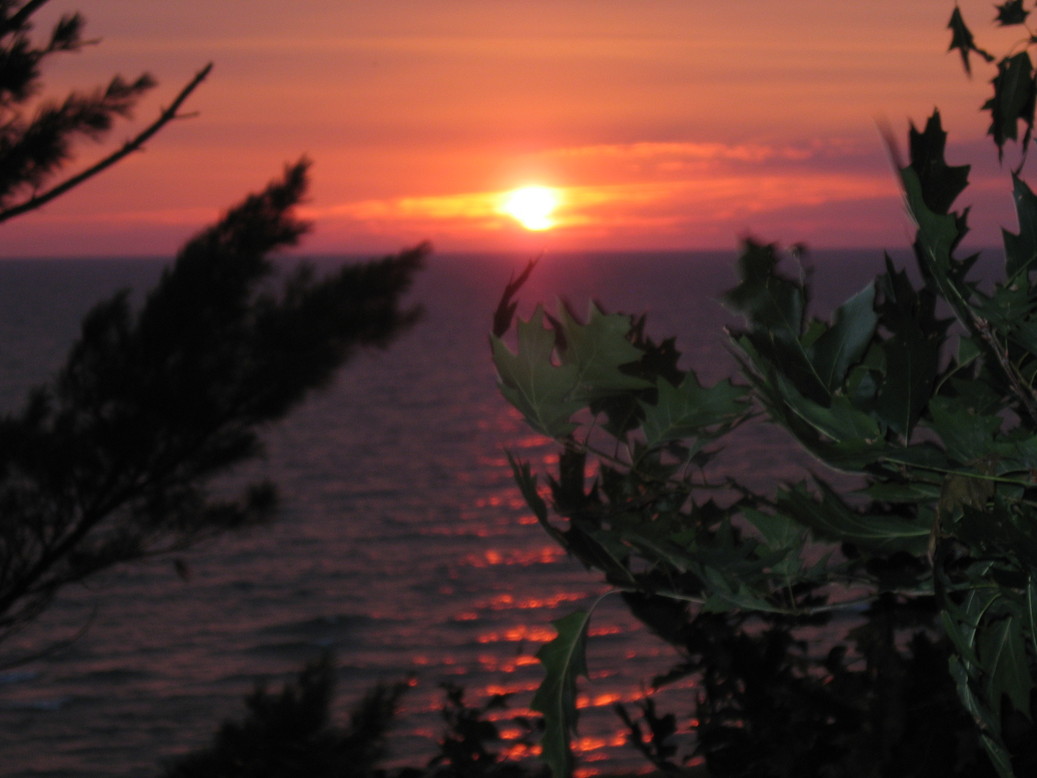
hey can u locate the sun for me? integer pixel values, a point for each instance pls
(532, 206)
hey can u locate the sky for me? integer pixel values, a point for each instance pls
(659, 124)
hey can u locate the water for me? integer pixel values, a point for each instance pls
(403, 545)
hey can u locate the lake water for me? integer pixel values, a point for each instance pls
(403, 544)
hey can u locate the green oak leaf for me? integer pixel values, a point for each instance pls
(778, 530)
(1013, 100)
(964, 626)
(911, 352)
(1021, 248)
(843, 344)
(830, 517)
(941, 183)
(564, 660)
(541, 390)
(769, 300)
(938, 233)
(597, 350)
(685, 411)
(841, 421)
(1002, 655)
(961, 623)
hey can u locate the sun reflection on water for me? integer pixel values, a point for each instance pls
(521, 557)
(535, 633)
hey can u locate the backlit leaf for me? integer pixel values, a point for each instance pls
(564, 661)
(684, 411)
(529, 379)
(843, 344)
(597, 350)
(831, 518)
(936, 238)
(1021, 248)
(841, 422)
(778, 530)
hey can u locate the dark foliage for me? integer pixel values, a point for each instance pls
(470, 746)
(38, 135)
(112, 462)
(887, 629)
(766, 708)
(290, 734)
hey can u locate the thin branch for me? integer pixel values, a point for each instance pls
(128, 148)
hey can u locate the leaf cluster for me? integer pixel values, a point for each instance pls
(34, 147)
(922, 388)
(1014, 97)
(114, 460)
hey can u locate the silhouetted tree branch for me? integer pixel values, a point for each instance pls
(291, 733)
(36, 140)
(113, 460)
(130, 146)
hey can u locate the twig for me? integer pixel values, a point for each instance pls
(128, 148)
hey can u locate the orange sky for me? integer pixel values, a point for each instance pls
(666, 124)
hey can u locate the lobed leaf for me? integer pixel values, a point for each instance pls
(941, 183)
(770, 301)
(831, 518)
(910, 354)
(1013, 100)
(529, 379)
(687, 410)
(527, 483)
(938, 233)
(1021, 248)
(597, 350)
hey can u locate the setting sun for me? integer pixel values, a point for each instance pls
(532, 206)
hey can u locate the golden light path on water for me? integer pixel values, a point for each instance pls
(510, 655)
